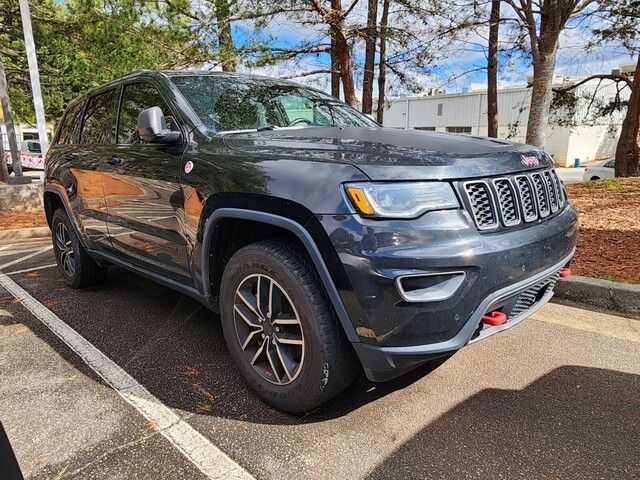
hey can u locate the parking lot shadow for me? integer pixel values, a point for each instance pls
(574, 422)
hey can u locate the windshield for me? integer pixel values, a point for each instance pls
(33, 147)
(240, 103)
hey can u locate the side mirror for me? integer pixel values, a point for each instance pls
(152, 127)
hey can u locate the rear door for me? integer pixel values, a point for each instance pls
(142, 189)
(85, 162)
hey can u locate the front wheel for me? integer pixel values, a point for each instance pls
(280, 328)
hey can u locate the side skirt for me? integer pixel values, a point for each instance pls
(167, 282)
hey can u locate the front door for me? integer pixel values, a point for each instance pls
(142, 190)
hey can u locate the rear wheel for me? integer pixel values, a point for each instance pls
(280, 328)
(595, 178)
(77, 268)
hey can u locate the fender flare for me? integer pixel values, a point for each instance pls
(301, 233)
(56, 190)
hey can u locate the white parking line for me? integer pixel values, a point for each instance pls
(208, 458)
(32, 269)
(26, 257)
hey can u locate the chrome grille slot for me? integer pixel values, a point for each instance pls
(552, 190)
(507, 202)
(527, 199)
(542, 196)
(482, 204)
(559, 188)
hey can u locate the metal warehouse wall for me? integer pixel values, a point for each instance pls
(588, 137)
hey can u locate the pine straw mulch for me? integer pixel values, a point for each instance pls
(609, 238)
(22, 219)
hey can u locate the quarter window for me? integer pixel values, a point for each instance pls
(138, 97)
(99, 124)
(68, 130)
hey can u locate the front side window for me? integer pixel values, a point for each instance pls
(138, 97)
(232, 103)
(99, 125)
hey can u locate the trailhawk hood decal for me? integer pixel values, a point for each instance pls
(378, 152)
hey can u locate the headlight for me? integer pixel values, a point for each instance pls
(400, 200)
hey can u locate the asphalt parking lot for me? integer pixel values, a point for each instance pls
(554, 397)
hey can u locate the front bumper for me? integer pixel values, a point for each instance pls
(396, 334)
(384, 363)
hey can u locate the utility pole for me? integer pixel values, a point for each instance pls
(35, 76)
(11, 131)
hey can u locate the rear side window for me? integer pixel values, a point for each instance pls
(138, 97)
(68, 130)
(99, 125)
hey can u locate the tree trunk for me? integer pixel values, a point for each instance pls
(541, 96)
(226, 48)
(369, 57)
(8, 122)
(628, 149)
(492, 70)
(342, 53)
(335, 67)
(382, 68)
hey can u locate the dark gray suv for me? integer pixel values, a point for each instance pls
(324, 241)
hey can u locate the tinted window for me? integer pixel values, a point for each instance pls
(138, 97)
(99, 124)
(610, 164)
(225, 103)
(69, 126)
(33, 147)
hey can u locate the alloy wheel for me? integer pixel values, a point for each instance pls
(268, 328)
(64, 246)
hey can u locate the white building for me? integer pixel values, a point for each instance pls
(580, 135)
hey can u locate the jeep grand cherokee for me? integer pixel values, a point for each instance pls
(322, 239)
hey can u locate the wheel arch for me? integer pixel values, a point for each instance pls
(292, 227)
(54, 198)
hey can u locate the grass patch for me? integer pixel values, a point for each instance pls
(612, 185)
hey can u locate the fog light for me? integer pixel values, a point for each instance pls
(429, 287)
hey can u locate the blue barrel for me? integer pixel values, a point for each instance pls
(576, 163)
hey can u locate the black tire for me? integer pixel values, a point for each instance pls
(327, 364)
(86, 271)
(594, 178)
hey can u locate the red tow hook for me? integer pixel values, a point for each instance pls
(494, 318)
(565, 272)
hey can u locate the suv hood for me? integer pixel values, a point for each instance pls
(394, 154)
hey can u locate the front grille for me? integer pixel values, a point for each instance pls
(532, 295)
(512, 200)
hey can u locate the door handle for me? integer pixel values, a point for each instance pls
(114, 161)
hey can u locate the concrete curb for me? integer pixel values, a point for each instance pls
(621, 297)
(21, 197)
(24, 233)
